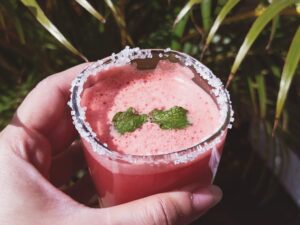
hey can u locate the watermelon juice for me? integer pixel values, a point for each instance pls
(148, 160)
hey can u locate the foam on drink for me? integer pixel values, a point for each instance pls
(166, 86)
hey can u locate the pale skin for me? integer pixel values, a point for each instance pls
(38, 155)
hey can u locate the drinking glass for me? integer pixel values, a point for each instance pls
(120, 177)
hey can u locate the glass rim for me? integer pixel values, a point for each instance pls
(125, 57)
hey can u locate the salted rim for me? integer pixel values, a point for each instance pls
(126, 56)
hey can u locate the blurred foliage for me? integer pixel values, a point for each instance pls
(28, 52)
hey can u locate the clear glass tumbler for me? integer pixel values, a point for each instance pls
(119, 177)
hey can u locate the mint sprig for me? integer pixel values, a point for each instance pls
(173, 118)
(128, 121)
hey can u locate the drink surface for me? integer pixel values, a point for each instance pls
(164, 87)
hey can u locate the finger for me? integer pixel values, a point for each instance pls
(65, 130)
(83, 190)
(181, 207)
(172, 208)
(66, 164)
(28, 145)
(45, 108)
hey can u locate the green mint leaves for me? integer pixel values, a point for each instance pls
(174, 118)
(130, 120)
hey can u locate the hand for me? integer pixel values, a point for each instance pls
(38, 155)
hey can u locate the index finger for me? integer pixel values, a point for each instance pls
(45, 108)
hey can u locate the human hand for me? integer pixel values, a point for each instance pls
(38, 155)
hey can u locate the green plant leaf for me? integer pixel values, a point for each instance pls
(178, 32)
(206, 14)
(114, 10)
(275, 22)
(185, 10)
(120, 21)
(38, 13)
(262, 94)
(289, 68)
(251, 86)
(298, 7)
(85, 4)
(259, 24)
(223, 13)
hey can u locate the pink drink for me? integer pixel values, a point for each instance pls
(149, 160)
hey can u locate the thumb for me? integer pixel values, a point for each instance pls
(171, 208)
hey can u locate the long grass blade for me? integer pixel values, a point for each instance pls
(223, 13)
(289, 68)
(275, 22)
(262, 95)
(251, 87)
(85, 4)
(178, 32)
(274, 27)
(113, 8)
(185, 10)
(259, 24)
(206, 14)
(120, 21)
(38, 13)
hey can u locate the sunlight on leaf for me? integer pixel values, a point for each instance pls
(259, 10)
(85, 4)
(289, 68)
(185, 10)
(112, 7)
(250, 14)
(298, 8)
(259, 24)
(35, 9)
(223, 13)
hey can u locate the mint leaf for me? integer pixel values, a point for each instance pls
(128, 121)
(174, 118)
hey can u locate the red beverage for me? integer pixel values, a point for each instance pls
(149, 160)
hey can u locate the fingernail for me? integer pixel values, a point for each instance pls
(205, 198)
